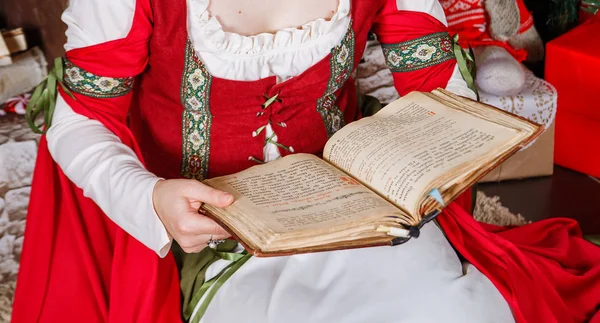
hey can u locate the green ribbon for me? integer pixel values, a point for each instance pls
(278, 144)
(43, 99)
(466, 64)
(593, 239)
(270, 101)
(237, 261)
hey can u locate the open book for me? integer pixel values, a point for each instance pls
(381, 178)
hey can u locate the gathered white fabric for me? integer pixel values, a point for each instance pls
(284, 54)
(422, 281)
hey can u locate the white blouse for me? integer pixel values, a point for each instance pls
(94, 153)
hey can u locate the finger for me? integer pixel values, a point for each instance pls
(196, 205)
(209, 195)
(217, 231)
(193, 244)
(194, 224)
(199, 241)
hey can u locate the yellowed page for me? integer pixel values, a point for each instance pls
(298, 192)
(402, 149)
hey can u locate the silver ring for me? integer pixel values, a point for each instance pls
(214, 243)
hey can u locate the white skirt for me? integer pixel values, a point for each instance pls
(422, 281)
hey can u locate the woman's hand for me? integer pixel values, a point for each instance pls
(177, 203)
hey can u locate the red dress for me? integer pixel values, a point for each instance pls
(78, 265)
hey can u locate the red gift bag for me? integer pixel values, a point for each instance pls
(573, 67)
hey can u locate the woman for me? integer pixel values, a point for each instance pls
(194, 76)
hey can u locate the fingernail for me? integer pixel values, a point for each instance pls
(227, 198)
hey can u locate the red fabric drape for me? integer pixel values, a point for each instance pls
(76, 263)
(546, 271)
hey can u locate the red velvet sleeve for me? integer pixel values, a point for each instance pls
(102, 77)
(417, 48)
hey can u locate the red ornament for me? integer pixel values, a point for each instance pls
(17, 104)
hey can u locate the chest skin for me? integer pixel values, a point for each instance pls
(251, 17)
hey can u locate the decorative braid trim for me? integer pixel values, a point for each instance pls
(196, 119)
(342, 63)
(85, 83)
(419, 53)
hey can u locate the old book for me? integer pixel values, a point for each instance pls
(380, 179)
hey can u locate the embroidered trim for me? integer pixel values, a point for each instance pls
(196, 119)
(418, 53)
(80, 81)
(342, 63)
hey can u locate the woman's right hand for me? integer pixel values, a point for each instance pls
(177, 203)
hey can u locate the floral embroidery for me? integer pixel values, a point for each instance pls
(342, 63)
(424, 52)
(106, 84)
(196, 120)
(333, 117)
(88, 84)
(196, 79)
(418, 53)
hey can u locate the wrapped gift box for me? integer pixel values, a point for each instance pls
(5, 58)
(534, 161)
(15, 40)
(536, 102)
(573, 67)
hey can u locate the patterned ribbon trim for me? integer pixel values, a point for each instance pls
(418, 53)
(212, 286)
(95, 86)
(341, 66)
(197, 119)
(43, 99)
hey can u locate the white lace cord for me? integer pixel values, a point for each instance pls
(269, 139)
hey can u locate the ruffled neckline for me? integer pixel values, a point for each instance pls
(207, 33)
